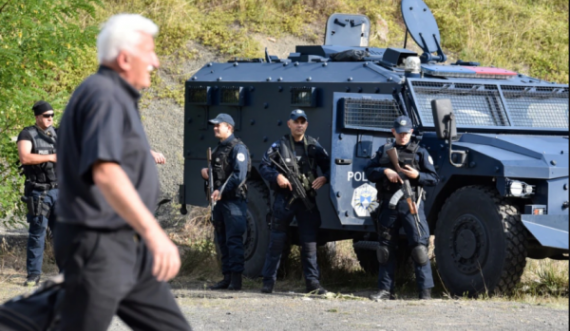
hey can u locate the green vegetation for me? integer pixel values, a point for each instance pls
(48, 47)
(37, 39)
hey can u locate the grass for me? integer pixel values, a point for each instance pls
(523, 35)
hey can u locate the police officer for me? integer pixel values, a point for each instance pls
(231, 165)
(36, 149)
(417, 166)
(301, 154)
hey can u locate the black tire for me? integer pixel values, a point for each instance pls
(256, 239)
(480, 243)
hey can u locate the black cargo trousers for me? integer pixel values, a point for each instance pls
(108, 273)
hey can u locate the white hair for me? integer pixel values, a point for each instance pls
(122, 33)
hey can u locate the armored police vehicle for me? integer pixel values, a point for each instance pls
(501, 151)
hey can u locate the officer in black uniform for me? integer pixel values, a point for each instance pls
(37, 152)
(302, 154)
(417, 166)
(231, 165)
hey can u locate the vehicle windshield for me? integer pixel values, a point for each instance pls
(489, 105)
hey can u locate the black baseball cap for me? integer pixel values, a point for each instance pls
(297, 113)
(403, 124)
(223, 118)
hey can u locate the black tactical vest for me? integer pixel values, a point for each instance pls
(307, 165)
(406, 156)
(43, 143)
(222, 168)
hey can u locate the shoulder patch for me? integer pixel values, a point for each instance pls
(241, 157)
(430, 160)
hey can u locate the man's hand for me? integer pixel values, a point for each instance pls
(205, 173)
(319, 182)
(119, 192)
(166, 258)
(216, 196)
(284, 182)
(410, 172)
(53, 158)
(393, 176)
(158, 157)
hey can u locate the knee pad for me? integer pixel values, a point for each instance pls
(383, 254)
(420, 255)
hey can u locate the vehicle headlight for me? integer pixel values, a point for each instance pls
(519, 189)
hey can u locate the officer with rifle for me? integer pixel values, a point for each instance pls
(400, 171)
(290, 166)
(226, 176)
(37, 153)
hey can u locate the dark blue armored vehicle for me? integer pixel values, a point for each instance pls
(501, 154)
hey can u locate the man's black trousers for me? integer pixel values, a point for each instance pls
(109, 273)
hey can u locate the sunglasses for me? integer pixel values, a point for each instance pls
(48, 115)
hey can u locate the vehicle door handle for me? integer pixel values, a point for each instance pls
(343, 161)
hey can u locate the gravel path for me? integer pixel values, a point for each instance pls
(251, 310)
(207, 310)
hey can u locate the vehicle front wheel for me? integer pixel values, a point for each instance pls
(480, 243)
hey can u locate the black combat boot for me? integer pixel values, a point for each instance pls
(32, 280)
(314, 287)
(267, 288)
(425, 294)
(235, 284)
(383, 295)
(223, 284)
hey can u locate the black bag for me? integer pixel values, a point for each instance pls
(37, 311)
(350, 55)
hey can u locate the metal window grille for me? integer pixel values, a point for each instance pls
(198, 95)
(303, 96)
(369, 113)
(231, 95)
(540, 107)
(473, 104)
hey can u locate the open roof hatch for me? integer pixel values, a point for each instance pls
(347, 30)
(423, 28)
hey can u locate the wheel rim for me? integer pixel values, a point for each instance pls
(250, 236)
(469, 244)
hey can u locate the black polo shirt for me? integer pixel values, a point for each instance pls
(102, 123)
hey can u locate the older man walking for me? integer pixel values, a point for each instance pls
(115, 256)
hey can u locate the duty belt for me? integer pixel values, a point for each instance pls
(44, 187)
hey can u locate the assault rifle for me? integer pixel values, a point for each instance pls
(210, 182)
(406, 190)
(299, 191)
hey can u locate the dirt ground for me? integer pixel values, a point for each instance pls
(251, 310)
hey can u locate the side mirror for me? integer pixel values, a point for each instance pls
(446, 129)
(444, 119)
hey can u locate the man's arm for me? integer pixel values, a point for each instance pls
(374, 172)
(428, 176)
(120, 193)
(270, 173)
(324, 163)
(266, 168)
(27, 158)
(240, 157)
